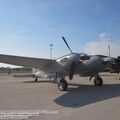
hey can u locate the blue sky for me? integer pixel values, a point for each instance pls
(27, 27)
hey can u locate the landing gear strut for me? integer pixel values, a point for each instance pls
(98, 81)
(62, 85)
(36, 79)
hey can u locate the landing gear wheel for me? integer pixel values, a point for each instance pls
(62, 85)
(98, 81)
(36, 79)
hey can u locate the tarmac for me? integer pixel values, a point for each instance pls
(42, 100)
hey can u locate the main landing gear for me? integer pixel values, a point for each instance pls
(98, 81)
(62, 85)
(36, 79)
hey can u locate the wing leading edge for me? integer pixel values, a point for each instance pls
(47, 65)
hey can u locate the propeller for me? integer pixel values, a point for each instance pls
(67, 44)
(73, 64)
(72, 70)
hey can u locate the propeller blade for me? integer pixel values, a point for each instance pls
(72, 70)
(67, 44)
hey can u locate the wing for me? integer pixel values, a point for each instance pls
(47, 65)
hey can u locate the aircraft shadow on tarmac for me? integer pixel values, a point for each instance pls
(87, 94)
(79, 95)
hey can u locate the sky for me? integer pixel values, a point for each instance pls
(28, 27)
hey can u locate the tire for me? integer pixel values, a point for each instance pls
(62, 85)
(98, 81)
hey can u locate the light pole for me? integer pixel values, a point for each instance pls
(51, 48)
(109, 50)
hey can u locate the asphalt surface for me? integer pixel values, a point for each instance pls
(82, 101)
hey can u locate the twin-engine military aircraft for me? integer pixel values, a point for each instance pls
(68, 65)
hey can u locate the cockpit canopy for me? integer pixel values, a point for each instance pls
(84, 56)
(65, 58)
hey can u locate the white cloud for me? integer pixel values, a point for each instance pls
(103, 36)
(101, 46)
